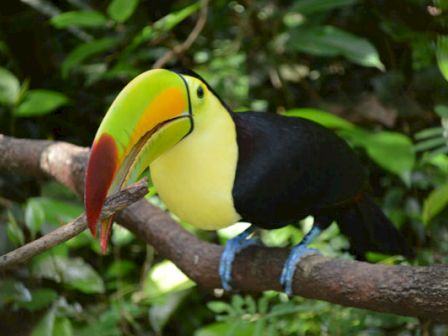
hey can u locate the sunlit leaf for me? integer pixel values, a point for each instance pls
(321, 117)
(86, 50)
(121, 10)
(79, 19)
(435, 203)
(332, 41)
(9, 87)
(40, 102)
(164, 278)
(442, 55)
(307, 7)
(73, 272)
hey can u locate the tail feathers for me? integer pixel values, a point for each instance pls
(368, 229)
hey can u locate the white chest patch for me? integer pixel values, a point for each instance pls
(195, 178)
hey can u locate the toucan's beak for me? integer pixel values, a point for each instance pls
(149, 116)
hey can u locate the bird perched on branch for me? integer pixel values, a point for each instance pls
(213, 167)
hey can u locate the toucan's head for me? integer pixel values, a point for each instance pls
(153, 113)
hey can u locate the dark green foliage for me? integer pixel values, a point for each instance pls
(374, 70)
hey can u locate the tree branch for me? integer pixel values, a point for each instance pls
(114, 203)
(185, 45)
(405, 290)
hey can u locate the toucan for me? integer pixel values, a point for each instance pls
(213, 167)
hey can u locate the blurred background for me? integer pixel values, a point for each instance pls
(375, 71)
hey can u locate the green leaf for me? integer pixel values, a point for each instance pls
(121, 10)
(107, 324)
(429, 133)
(120, 268)
(171, 20)
(40, 298)
(442, 111)
(9, 88)
(40, 102)
(34, 217)
(164, 278)
(227, 328)
(435, 203)
(442, 55)
(219, 307)
(12, 291)
(58, 212)
(63, 327)
(430, 143)
(14, 232)
(160, 313)
(73, 272)
(162, 25)
(392, 151)
(307, 7)
(79, 19)
(321, 117)
(331, 41)
(45, 326)
(84, 51)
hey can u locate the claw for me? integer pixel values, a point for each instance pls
(232, 248)
(287, 277)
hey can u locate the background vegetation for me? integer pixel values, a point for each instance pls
(373, 70)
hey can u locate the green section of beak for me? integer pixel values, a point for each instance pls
(149, 116)
(148, 100)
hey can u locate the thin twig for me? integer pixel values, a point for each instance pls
(184, 46)
(114, 203)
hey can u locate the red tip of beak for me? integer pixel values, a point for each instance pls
(101, 169)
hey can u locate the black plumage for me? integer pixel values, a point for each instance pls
(289, 168)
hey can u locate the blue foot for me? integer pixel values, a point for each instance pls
(232, 248)
(287, 277)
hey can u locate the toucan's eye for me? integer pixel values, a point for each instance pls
(200, 92)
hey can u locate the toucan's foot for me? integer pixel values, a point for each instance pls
(232, 248)
(287, 277)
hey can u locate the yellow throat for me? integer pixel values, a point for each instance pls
(195, 178)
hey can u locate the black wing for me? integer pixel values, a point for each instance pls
(289, 168)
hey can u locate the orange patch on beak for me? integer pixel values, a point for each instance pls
(167, 105)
